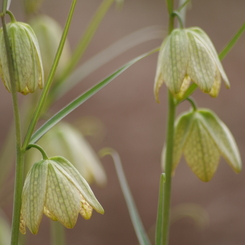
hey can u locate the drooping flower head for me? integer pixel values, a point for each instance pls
(54, 187)
(28, 69)
(202, 138)
(188, 55)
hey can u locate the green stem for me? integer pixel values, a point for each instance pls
(44, 95)
(19, 154)
(168, 170)
(57, 233)
(192, 102)
(45, 157)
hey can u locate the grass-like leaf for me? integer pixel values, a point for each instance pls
(82, 98)
(134, 215)
(6, 5)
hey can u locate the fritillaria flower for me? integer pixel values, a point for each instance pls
(28, 75)
(202, 138)
(188, 55)
(54, 187)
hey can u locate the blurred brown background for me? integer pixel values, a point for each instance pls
(135, 125)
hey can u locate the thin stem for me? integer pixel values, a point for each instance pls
(176, 14)
(192, 102)
(57, 233)
(168, 171)
(44, 95)
(45, 157)
(19, 154)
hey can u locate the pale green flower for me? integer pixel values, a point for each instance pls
(188, 55)
(202, 137)
(54, 187)
(49, 32)
(26, 57)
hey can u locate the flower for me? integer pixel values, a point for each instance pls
(54, 187)
(49, 32)
(188, 55)
(26, 58)
(65, 139)
(202, 137)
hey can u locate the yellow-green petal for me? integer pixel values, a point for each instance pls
(223, 139)
(62, 198)
(33, 196)
(201, 65)
(78, 181)
(174, 60)
(201, 152)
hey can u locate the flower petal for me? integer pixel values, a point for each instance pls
(201, 66)
(223, 139)
(33, 196)
(201, 152)
(81, 184)
(201, 35)
(174, 60)
(62, 198)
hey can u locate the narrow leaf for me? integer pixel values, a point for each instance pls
(6, 5)
(134, 215)
(82, 98)
(159, 223)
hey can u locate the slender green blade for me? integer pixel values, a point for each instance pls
(6, 5)
(133, 212)
(82, 98)
(159, 223)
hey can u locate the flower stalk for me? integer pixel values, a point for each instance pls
(19, 154)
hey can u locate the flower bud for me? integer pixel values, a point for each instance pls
(54, 187)
(28, 70)
(49, 33)
(202, 137)
(188, 55)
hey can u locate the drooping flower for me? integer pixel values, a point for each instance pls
(54, 187)
(64, 139)
(28, 69)
(49, 32)
(202, 137)
(188, 55)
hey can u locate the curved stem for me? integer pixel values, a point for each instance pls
(45, 157)
(176, 14)
(192, 102)
(19, 154)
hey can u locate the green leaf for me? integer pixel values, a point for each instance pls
(159, 223)
(82, 98)
(6, 5)
(134, 215)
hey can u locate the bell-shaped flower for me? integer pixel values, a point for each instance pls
(54, 187)
(66, 140)
(202, 137)
(49, 32)
(188, 55)
(28, 69)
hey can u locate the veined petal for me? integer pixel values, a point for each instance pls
(62, 198)
(216, 86)
(33, 196)
(223, 139)
(181, 132)
(174, 60)
(185, 85)
(86, 210)
(201, 66)
(78, 181)
(201, 35)
(201, 153)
